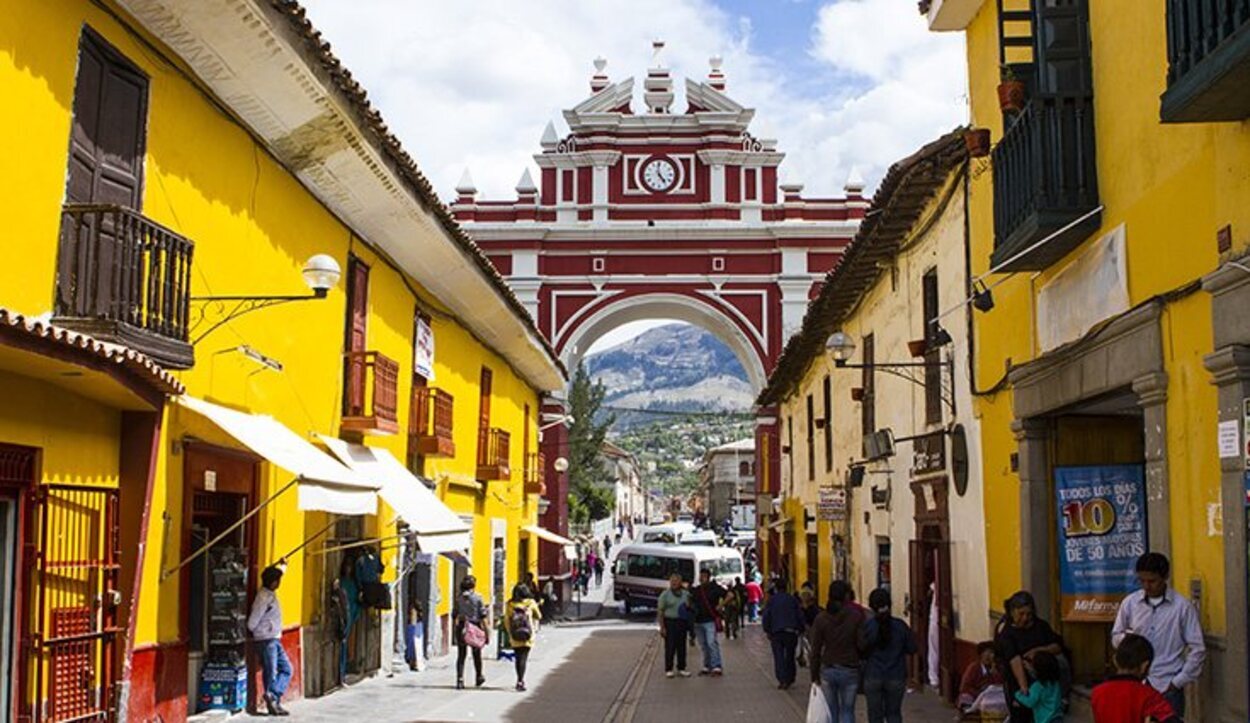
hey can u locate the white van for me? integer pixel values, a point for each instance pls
(642, 570)
(666, 534)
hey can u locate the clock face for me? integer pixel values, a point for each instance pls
(659, 175)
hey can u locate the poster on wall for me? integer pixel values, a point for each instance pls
(423, 363)
(831, 506)
(1102, 532)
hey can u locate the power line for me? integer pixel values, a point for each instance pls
(677, 413)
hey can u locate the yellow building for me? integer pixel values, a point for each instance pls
(881, 484)
(181, 163)
(1106, 224)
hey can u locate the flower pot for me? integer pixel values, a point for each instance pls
(1011, 96)
(917, 347)
(857, 394)
(977, 141)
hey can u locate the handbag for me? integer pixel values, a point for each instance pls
(474, 636)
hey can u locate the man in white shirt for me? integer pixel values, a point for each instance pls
(265, 623)
(1170, 622)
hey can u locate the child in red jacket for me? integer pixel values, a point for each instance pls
(1125, 697)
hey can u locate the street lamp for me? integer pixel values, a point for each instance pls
(565, 419)
(842, 347)
(561, 465)
(321, 273)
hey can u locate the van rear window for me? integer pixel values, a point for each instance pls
(655, 567)
(725, 566)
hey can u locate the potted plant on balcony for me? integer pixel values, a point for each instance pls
(1010, 91)
(977, 141)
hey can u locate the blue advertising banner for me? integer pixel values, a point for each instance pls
(1102, 532)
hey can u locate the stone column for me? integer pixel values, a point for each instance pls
(1226, 677)
(1152, 394)
(1036, 535)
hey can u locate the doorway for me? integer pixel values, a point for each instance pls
(931, 612)
(8, 597)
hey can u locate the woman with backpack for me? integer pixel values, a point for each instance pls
(885, 642)
(520, 620)
(471, 630)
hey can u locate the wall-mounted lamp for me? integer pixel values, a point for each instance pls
(561, 465)
(842, 347)
(982, 297)
(321, 273)
(565, 419)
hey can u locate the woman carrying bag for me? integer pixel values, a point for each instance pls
(471, 631)
(520, 621)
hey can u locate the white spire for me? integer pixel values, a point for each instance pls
(658, 87)
(550, 139)
(526, 186)
(854, 181)
(716, 77)
(466, 186)
(599, 80)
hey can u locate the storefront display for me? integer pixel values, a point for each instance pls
(223, 680)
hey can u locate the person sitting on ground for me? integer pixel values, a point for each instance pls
(1044, 696)
(520, 621)
(979, 675)
(1127, 697)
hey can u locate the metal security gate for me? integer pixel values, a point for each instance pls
(73, 553)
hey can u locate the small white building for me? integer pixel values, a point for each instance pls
(727, 482)
(623, 469)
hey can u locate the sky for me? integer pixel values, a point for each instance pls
(840, 84)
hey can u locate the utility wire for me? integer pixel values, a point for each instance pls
(677, 413)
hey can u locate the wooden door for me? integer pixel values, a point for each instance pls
(918, 611)
(483, 419)
(106, 146)
(948, 682)
(357, 336)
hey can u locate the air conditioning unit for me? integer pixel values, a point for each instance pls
(879, 444)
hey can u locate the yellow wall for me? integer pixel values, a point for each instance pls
(1172, 186)
(77, 437)
(253, 225)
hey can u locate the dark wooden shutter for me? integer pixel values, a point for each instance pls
(357, 335)
(483, 419)
(933, 355)
(1062, 47)
(828, 399)
(811, 438)
(868, 408)
(107, 139)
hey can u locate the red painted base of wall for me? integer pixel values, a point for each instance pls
(158, 680)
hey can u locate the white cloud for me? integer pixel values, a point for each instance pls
(474, 83)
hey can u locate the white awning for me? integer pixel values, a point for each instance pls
(438, 529)
(324, 484)
(547, 535)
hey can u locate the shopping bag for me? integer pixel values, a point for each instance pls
(817, 708)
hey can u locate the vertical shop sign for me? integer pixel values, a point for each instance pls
(1102, 532)
(423, 362)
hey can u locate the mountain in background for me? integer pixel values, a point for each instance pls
(672, 367)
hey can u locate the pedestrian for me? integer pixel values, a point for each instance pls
(598, 571)
(835, 656)
(1126, 697)
(807, 602)
(520, 621)
(706, 597)
(740, 592)
(754, 594)
(549, 599)
(470, 626)
(1020, 636)
(783, 624)
(1045, 695)
(1170, 622)
(265, 624)
(885, 642)
(979, 675)
(731, 613)
(672, 611)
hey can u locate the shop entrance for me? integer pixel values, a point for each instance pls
(1106, 432)
(218, 585)
(931, 606)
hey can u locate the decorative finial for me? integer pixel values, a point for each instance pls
(657, 46)
(854, 182)
(715, 77)
(466, 187)
(599, 80)
(525, 186)
(550, 140)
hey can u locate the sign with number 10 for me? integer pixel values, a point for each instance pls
(1102, 531)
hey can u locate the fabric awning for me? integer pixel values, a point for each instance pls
(547, 535)
(325, 485)
(438, 529)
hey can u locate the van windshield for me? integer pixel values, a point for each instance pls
(723, 567)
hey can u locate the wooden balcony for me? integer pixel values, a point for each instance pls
(535, 474)
(493, 448)
(1208, 61)
(1045, 183)
(430, 427)
(372, 389)
(125, 279)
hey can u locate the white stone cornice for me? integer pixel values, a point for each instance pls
(639, 231)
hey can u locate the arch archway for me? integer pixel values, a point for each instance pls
(582, 333)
